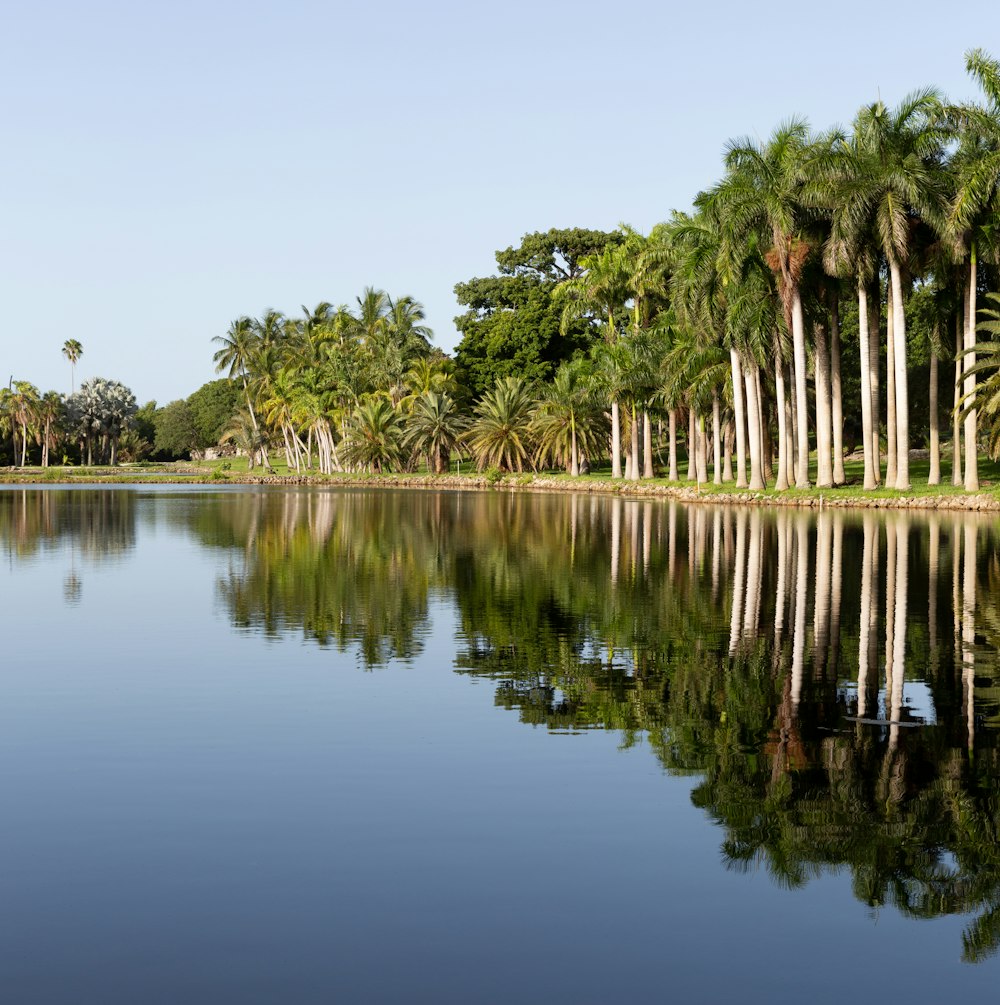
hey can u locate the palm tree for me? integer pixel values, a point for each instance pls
(602, 292)
(23, 407)
(764, 192)
(973, 215)
(566, 423)
(901, 184)
(49, 411)
(72, 349)
(500, 433)
(986, 397)
(434, 427)
(374, 438)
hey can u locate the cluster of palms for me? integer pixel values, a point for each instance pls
(362, 390)
(93, 419)
(739, 300)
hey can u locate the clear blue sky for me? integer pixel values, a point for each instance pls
(167, 167)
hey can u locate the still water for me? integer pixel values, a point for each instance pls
(317, 746)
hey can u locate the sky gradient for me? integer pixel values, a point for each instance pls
(169, 167)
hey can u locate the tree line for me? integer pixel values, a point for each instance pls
(809, 301)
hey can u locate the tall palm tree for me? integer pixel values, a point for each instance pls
(764, 192)
(602, 292)
(23, 406)
(72, 349)
(973, 214)
(902, 183)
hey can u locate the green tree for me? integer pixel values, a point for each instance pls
(512, 325)
(176, 432)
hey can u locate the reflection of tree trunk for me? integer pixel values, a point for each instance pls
(836, 577)
(672, 541)
(867, 603)
(647, 535)
(616, 538)
(751, 612)
(933, 562)
(969, 627)
(801, 593)
(781, 590)
(716, 551)
(739, 581)
(633, 526)
(821, 606)
(890, 607)
(902, 534)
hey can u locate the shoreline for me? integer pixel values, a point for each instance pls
(838, 498)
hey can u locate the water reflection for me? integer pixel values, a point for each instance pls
(830, 679)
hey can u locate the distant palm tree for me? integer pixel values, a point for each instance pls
(72, 350)
(566, 423)
(374, 436)
(434, 428)
(500, 434)
(23, 405)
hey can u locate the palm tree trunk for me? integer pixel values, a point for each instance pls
(702, 459)
(934, 475)
(647, 445)
(727, 452)
(789, 384)
(716, 438)
(753, 430)
(801, 404)
(781, 480)
(767, 472)
(692, 439)
(673, 444)
(869, 435)
(633, 459)
(837, 402)
(971, 444)
(824, 422)
(616, 441)
(956, 421)
(902, 391)
(741, 423)
(874, 339)
(575, 459)
(891, 440)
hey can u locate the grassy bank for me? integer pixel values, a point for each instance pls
(234, 472)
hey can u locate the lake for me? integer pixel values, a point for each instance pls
(296, 746)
